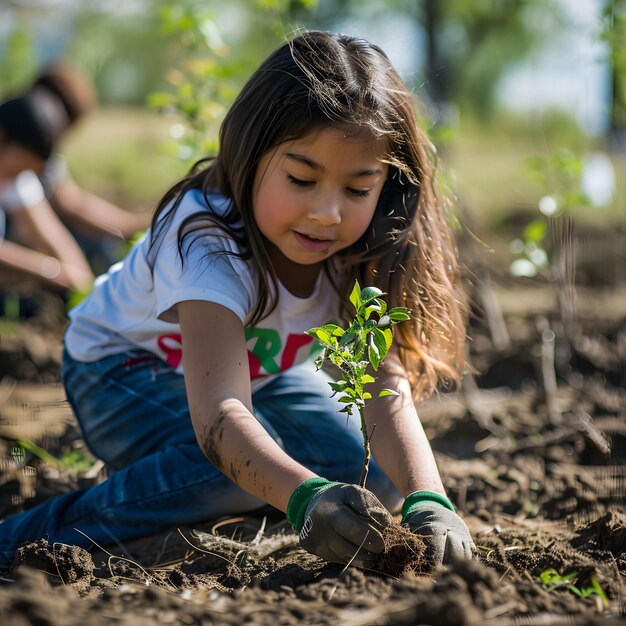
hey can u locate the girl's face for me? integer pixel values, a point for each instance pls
(316, 196)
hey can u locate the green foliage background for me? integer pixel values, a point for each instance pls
(166, 72)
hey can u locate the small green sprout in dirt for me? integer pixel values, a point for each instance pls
(24, 445)
(553, 580)
(76, 460)
(365, 343)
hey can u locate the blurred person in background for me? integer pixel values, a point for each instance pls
(51, 230)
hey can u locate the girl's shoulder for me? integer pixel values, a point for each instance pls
(198, 213)
(195, 225)
(196, 201)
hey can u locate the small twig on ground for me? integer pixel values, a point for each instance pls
(54, 558)
(495, 318)
(114, 556)
(594, 434)
(548, 371)
(219, 556)
(257, 538)
(225, 522)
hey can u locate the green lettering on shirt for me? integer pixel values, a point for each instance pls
(266, 348)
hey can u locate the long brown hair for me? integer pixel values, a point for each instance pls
(316, 80)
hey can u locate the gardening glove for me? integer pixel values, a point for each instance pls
(337, 521)
(431, 516)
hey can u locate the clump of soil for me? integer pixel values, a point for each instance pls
(70, 564)
(605, 534)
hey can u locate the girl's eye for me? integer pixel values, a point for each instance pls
(299, 182)
(362, 193)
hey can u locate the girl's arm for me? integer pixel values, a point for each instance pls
(399, 443)
(54, 257)
(85, 210)
(220, 401)
(403, 452)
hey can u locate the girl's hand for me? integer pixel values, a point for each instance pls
(344, 522)
(445, 534)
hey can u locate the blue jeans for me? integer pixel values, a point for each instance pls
(133, 412)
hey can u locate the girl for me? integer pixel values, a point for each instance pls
(322, 177)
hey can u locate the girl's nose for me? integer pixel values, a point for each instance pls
(326, 211)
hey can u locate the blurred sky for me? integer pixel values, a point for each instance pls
(568, 72)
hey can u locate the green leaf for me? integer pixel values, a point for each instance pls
(549, 575)
(388, 392)
(333, 329)
(372, 308)
(323, 336)
(355, 296)
(575, 590)
(338, 386)
(369, 293)
(384, 321)
(373, 354)
(367, 396)
(600, 592)
(381, 343)
(33, 448)
(388, 337)
(399, 314)
(348, 338)
(346, 400)
(366, 378)
(327, 334)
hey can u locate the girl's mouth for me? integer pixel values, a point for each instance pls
(311, 243)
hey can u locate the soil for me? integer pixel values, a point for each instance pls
(538, 475)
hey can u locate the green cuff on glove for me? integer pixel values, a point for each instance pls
(301, 497)
(413, 500)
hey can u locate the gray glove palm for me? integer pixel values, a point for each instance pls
(344, 520)
(445, 534)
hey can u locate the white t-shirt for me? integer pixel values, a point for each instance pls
(27, 189)
(132, 307)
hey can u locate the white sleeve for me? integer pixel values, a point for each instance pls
(204, 270)
(55, 172)
(26, 191)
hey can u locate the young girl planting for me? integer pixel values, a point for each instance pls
(322, 177)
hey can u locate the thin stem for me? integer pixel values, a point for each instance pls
(366, 448)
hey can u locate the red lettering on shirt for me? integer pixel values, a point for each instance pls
(294, 343)
(172, 346)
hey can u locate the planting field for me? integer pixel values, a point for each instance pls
(539, 474)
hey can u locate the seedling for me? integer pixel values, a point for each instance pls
(365, 343)
(74, 460)
(553, 580)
